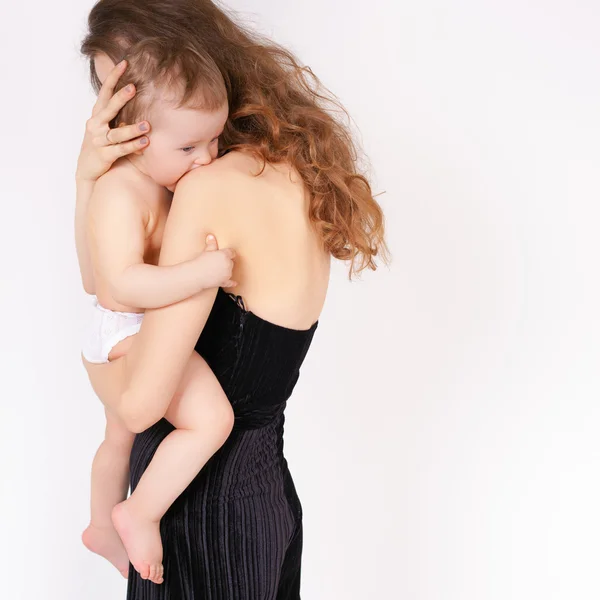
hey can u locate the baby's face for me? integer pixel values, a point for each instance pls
(181, 139)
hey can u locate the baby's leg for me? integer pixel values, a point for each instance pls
(204, 419)
(110, 482)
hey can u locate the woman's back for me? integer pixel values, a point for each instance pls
(281, 267)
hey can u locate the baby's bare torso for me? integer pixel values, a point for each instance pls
(149, 203)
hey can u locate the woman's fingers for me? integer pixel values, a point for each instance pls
(117, 150)
(97, 124)
(115, 104)
(101, 145)
(119, 135)
(108, 87)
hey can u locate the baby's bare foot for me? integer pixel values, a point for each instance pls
(141, 538)
(106, 542)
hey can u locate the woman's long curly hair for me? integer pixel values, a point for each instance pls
(278, 109)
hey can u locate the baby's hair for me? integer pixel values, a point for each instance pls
(278, 109)
(184, 76)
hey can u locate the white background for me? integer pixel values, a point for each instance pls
(444, 433)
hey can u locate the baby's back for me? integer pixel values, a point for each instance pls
(126, 217)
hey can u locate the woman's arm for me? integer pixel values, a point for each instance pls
(100, 148)
(84, 191)
(155, 364)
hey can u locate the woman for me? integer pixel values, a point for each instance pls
(286, 197)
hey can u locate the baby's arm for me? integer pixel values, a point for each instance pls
(117, 226)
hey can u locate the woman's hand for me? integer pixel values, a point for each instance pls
(102, 145)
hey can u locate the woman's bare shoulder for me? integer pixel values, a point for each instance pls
(237, 196)
(225, 171)
(235, 178)
(217, 188)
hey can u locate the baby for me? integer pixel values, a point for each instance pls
(125, 219)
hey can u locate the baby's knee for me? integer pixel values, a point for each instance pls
(216, 419)
(118, 438)
(224, 419)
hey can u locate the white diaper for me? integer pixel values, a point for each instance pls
(106, 330)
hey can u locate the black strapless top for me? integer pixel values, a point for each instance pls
(256, 362)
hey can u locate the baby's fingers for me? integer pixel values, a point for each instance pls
(229, 253)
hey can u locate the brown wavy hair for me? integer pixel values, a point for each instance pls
(279, 111)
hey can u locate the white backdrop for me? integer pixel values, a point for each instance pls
(444, 433)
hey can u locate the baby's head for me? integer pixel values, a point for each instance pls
(181, 92)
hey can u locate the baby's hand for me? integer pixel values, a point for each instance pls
(216, 265)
